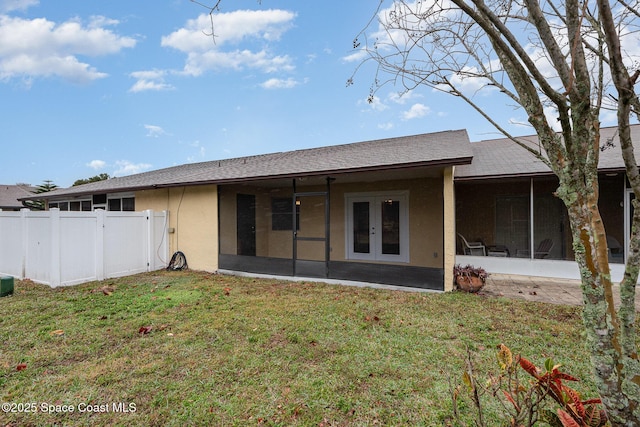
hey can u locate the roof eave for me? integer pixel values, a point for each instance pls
(432, 163)
(526, 175)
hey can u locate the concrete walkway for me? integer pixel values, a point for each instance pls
(541, 289)
(530, 288)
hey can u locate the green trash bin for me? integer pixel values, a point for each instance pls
(6, 286)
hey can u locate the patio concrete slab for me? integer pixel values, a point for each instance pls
(540, 289)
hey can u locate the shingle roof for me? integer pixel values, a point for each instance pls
(440, 148)
(9, 195)
(504, 158)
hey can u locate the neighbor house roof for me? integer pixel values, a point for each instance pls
(10, 195)
(433, 149)
(499, 158)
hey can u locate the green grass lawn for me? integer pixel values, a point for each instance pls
(223, 350)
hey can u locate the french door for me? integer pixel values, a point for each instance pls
(378, 227)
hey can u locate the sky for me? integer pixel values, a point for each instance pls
(122, 87)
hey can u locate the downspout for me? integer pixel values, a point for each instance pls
(218, 231)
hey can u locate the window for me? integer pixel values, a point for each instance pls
(378, 227)
(115, 204)
(281, 218)
(98, 201)
(128, 204)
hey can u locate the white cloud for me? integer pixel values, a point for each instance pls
(386, 126)
(154, 131)
(403, 97)
(358, 56)
(376, 104)
(97, 164)
(232, 29)
(9, 5)
(42, 48)
(149, 80)
(145, 85)
(280, 84)
(125, 167)
(469, 83)
(198, 63)
(416, 111)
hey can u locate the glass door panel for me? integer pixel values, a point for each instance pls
(361, 227)
(390, 216)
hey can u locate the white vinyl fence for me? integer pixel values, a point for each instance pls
(66, 248)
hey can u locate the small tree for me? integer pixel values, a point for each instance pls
(562, 63)
(38, 205)
(101, 177)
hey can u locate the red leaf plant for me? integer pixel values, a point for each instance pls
(524, 400)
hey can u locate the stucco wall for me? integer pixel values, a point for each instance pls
(269, 243)
(193, 217)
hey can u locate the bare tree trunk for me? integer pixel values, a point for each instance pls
(612, 365)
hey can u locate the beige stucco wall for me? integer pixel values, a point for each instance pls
(269, 243)
(193, 217)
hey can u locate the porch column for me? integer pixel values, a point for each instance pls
(449, 227)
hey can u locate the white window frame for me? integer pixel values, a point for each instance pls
(375, 253)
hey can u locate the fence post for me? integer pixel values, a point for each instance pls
(150, 238)
(56, 274)
(24, 246)
(99, 244)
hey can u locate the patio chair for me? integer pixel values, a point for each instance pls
(543, 249)
(616, 251)
(473, 248)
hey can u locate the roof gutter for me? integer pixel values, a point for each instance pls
(524, 175)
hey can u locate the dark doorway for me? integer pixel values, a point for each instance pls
(246, 229)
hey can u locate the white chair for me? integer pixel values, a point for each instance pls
(473, 248)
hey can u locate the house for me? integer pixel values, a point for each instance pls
(398, 211)
(10, 195)
(376, 211)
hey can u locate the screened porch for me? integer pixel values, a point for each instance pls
(518, 225)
